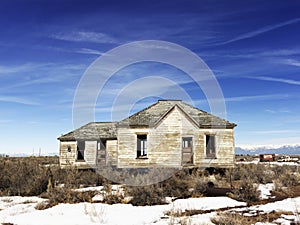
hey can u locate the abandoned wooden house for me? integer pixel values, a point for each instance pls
(169, 133)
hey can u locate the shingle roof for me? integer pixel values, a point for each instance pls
(149, 116)
(92, 131)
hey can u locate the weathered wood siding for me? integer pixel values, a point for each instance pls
(70, 158)
(67, 158)
(127, 148)
(164, 144)
(224, 143)
(166, 150)
(90, 152)
(111, 152)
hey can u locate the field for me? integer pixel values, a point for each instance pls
(35, 191)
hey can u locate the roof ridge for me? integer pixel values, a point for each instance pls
(194, 107)
(141, 111)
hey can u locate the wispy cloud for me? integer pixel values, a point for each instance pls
(89, 51)
(76, 50)
(244, 98)
(5, 69)
(5, 121)
(41, 73)
(291, 62)
(85, 36)
(259, 53)
(18, 100)
(257, 97)
(281, 80)
(272, 111)
(261, 31)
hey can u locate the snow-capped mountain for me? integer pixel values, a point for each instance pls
(265, 149)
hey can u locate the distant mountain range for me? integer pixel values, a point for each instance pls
(253, 150)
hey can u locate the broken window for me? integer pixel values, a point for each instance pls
(80, 150)
(141, 145)
(101, 149)
(210, 146)
(187, 150)
(101, 145)
(187, 142)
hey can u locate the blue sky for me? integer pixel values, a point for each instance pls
(46, 46)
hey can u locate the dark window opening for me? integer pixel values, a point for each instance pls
(210, 146)
(101, 152)
(101, 145)
(80, 150)
(141, 145)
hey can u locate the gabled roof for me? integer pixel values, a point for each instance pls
(92, 131)
(148, 117)
(152, 115)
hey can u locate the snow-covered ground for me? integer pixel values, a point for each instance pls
(265, 190)
(21, 211)
(256, 161)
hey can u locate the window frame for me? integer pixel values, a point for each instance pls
(210, 147)
(80, 151)
(188, 141)
(101, 145)
(141, 146)
(187, 144)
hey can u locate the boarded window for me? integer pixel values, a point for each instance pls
(80, 150)
(141, 145)
(210, 146)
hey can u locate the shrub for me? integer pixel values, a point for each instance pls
(110, 196)
(75, 178)
(146, 195)
(22, 176)
(64, 195)
(177, 186)
(255, 172)
(247, 191)
(232, 219)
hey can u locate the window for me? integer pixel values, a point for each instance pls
(101, 154)
(101, 145)
(141, 145)
(187, 142)
(187, 150)
(80, 150)
(210, 146)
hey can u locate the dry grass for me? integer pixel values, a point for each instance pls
(233, 218)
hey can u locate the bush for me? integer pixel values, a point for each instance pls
(64, 195)
(23, 176)
(231, 219)
(247, 191)
(146, 195)
(75, 178)
(255, 172)
(178, 185)
(110, 196)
